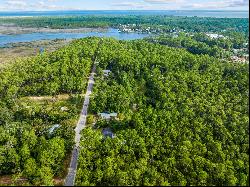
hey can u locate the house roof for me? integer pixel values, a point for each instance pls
(108, 115)
(107, 132)
(106, 71)
(51, 130)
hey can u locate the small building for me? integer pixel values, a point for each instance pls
(234, 58)
(245, 44)
(236, 51)
(215, 36)
(107, 132)
(246, 56)
(134, 107)
(239, 59)
(106, 73)
(108, 116)
(41, 50)
(64, 108)
(53, 128)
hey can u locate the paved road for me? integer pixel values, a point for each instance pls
(70, 179)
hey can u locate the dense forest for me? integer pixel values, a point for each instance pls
(160, 24)
(200, 43)
(31, 143)
(182, 117)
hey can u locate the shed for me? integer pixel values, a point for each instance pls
(106, 73)
(107, 132)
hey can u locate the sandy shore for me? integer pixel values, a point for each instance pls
(11, 30)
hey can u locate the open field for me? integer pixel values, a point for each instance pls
(12, 29)
(26, 49)
(61, 97)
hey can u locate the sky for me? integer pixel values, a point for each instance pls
(49, 5)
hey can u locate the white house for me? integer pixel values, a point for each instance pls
(53, 128)
(107, 116)
(214, 36)
(106, 73)
(64, 108)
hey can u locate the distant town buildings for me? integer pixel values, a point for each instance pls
(214, 36)
(133, 28)
(125, 28)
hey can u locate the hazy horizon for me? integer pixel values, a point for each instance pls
(126, 10)
(47, 5)
(189, 13)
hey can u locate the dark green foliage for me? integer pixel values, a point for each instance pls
(189, 127)
(184, 116)
(27, 147)
(200, 43)
(156, 23)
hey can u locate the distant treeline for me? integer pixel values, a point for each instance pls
(200, 43)
(165, 23)
(183, 119)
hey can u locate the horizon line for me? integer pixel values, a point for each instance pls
(124, 10)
